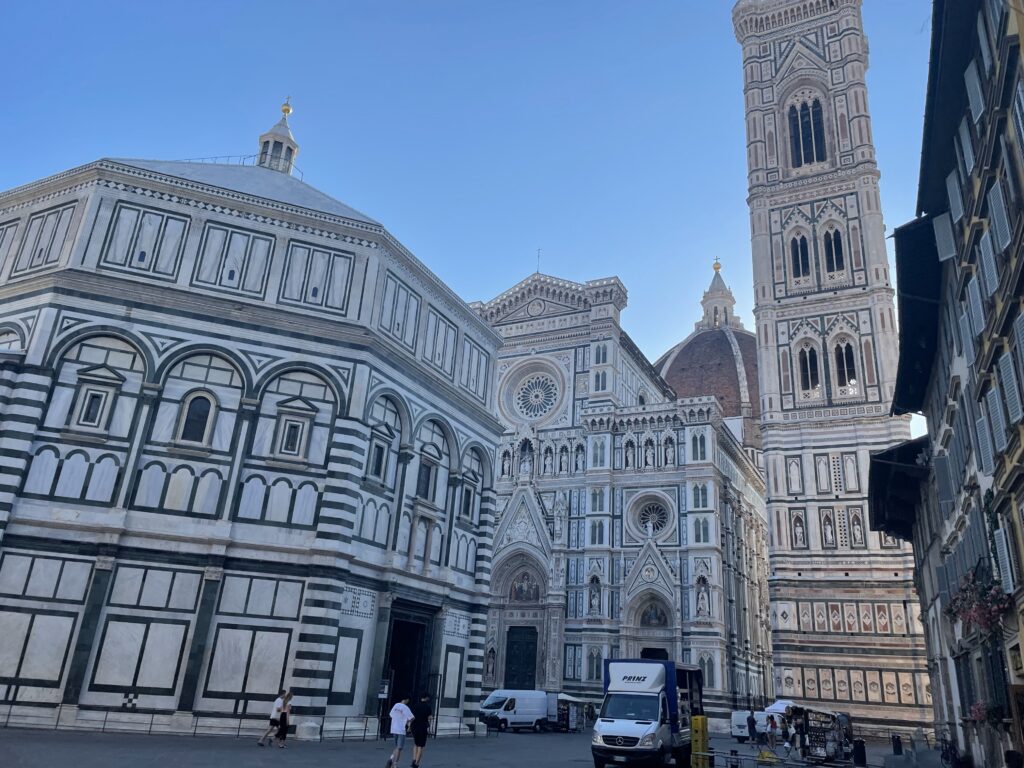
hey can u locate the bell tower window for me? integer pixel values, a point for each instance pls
(846, 369)
(800, 257)
(806, 133)
(834, 259)
(809, 379)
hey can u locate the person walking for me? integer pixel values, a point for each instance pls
(752, 727)
(282, 723)
(422, 716)
(275, 717)
(772, 727)
(400, 717)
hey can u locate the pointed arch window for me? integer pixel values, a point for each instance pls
(806, 133)
(799, 257)
(834, 258)
(809, 375)
(846, 368)
(594, 666)
(197, 417)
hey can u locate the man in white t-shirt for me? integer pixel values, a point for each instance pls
(400, 716)
(275, 717)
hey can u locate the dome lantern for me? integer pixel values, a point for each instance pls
(278, 148)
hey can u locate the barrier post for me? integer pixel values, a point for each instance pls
(699, 741)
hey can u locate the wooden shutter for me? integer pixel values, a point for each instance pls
(966, 146)
(989, 270)
(1005, 560)
(956, 201)
(967, 336)
(1010, 388)
(977, 308)
(945, 244)
(997, 213)
(996, 419)
(984, 445)
(974, 93)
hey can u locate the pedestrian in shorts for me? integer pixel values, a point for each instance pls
(422, 715)
(275, 717)
(282, 723)
(400, 716)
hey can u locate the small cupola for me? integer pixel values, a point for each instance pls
(278, 148)
(719, 304)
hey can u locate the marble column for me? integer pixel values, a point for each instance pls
(102, 570)
(381, 638)
(212, 578)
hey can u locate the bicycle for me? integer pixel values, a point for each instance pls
(949, 754)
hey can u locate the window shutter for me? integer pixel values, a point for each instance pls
(996, 419)
(977, 308)
(1018, 113)
(997, 212)
(943, 481)
(984, 445)
(974, 93)
(944, 242)
(1006, 570)
(1018, 332)
(1011, 391)
(956, 201)
(986, 51)
(989, 270)
(967, 336)
(966, 146)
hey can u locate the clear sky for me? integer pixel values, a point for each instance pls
(608, 134)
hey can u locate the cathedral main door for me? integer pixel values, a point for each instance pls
(521, 658)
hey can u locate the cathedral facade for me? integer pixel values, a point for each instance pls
(247, 443)
(845, 617)
(629, 521)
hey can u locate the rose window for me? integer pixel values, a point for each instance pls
(536, 396)
(653, 517)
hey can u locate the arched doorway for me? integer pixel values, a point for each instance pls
(518, 625)
(648, 629)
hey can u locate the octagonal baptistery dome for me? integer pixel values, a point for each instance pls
(719, 358)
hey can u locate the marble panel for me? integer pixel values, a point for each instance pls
(874, 683)
(127, 584)
(184, 591)
(906, 683)
(74, 580)
(890, 687)
(253, 492)
(344, 680)
(151, 486)
(43, 580)
(305, 505)
(233, 594)
(261, 597)
(46, 646)
(156, 589)
(227, 668)
(162, 655)
(267, 666)
(280, 502)
(60, 405)
(288, 595)
(71, 481)
(14, 631)
(858, 688)
(207, 495)
(453, 675)
(14, 573)
(41, 472)
(122, 643)
(101, 482)
(179, 489)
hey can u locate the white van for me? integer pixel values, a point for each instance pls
(739, 724)
(516, 709)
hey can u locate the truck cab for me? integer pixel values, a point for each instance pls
(645, 715)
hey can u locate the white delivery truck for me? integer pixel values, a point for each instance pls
(645, 715)
(515, 710)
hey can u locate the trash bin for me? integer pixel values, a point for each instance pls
(860, 753)
(897, 744)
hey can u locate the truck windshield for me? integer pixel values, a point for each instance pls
(630, 706)
(496, 702)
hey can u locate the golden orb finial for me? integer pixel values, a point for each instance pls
(716, 266)
(286, 108)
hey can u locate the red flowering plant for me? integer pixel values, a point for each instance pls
(982, 712)
(979, 603)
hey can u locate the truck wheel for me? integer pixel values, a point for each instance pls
(741, 739)
(503, 725)
(537, 727)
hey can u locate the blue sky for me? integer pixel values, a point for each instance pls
(608, 134)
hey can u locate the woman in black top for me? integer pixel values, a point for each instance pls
(282, 727)
(420, 727)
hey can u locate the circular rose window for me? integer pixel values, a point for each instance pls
(652, 518)
(536, 396)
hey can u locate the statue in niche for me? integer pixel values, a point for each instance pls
(669, 458)
(563, 460)
(547, 462)
(525, 589)
(505, 465)
(799, 539)
(579, 459)
(627, 458)
(858, 530)
(526, 463)
(653, 616)
(595, 596)
(828, 531)
(649, 455)
(490, 663)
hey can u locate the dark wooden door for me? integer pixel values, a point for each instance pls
(521, 658)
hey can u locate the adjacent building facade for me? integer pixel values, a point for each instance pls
(629, 522)
(845, 618)
(247, 442)
(956, 493)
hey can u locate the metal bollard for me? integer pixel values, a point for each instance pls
(860, 753)
(734, 759)
(897, 744)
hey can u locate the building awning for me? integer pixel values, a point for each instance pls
(919, 285)
(894, 486)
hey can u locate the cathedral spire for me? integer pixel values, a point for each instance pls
(719, 304)
(278, 148)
